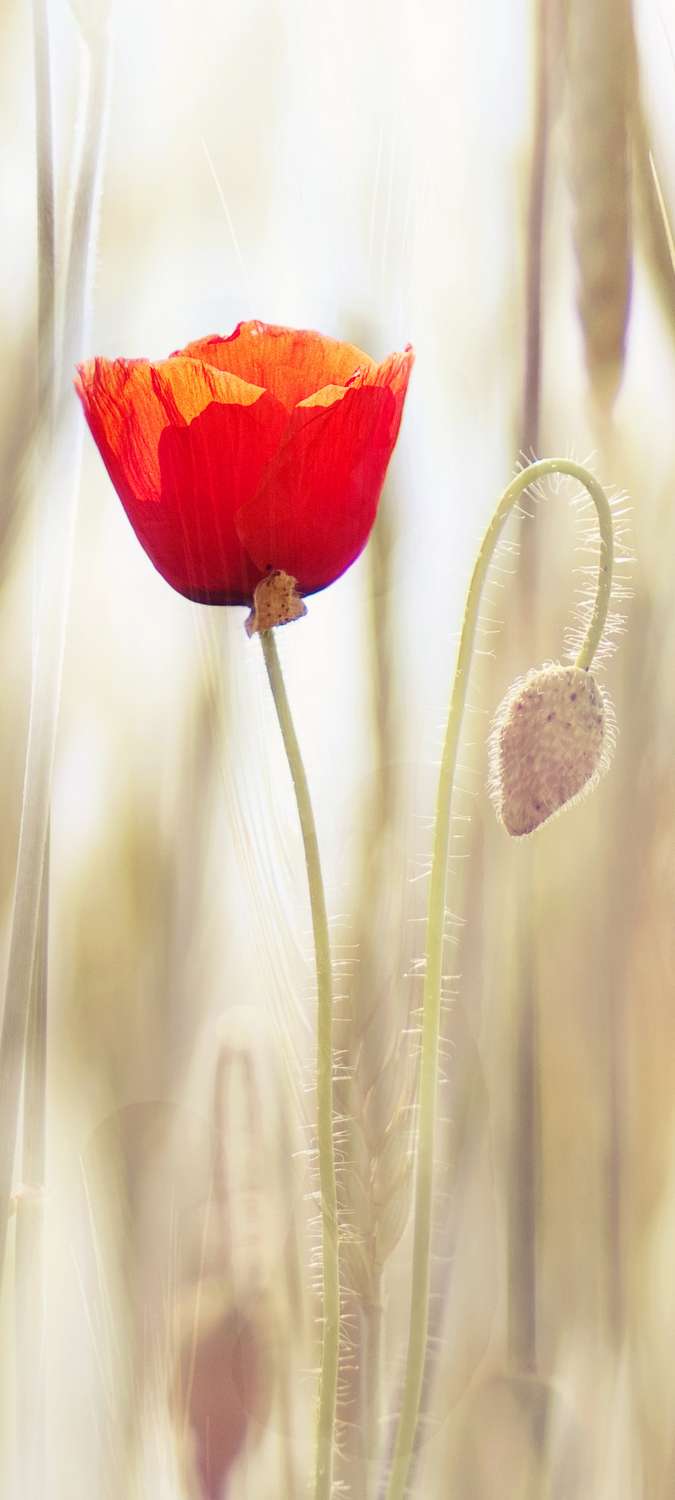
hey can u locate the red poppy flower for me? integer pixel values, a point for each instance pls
(237, 456)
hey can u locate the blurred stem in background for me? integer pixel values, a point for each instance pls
(374, 1096)
(324, 1079)
(660, 244)
(29, 1225)
(603, 101)
(525, 1147)
(419, 1299)
(46, 253)
(23, 1040)
(95, 89)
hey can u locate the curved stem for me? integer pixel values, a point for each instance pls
(324, 1082)
(419, 1301)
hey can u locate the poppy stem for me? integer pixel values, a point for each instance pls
(419, 1300)
(324, 1085)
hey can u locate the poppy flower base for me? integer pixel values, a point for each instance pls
(276, 601)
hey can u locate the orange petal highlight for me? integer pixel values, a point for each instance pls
(291, 363)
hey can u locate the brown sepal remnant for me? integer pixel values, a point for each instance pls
(276, 601)
(551, 740)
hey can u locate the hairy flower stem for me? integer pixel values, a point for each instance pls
(324, 1080)
(419, 1300)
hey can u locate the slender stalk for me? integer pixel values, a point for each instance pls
(324, 1085)
(56, 549)
(419, 1301)
(29, 1227)
(535, 240)
(372, 1355)
(81, 260)
(524, 1146)
(46, 256)
(29, 1233)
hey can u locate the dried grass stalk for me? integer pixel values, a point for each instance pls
(654, 219)
(58, 496)
(376, 1094)
(378, 1177)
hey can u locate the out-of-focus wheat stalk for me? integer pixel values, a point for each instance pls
(521, 1208)
(29, 1247)
(601, 73)
(375, 1096)
(24, 1026)
(604, 106)
(653, 219)
(92, 18)
(20, 432)
(57, 506)
(46, 227)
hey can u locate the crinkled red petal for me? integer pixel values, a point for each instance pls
(222, 482)
(315, 507)
(185, 447)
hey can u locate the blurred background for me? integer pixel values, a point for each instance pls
(493, 184)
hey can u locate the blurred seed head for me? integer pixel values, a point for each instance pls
(601, 64)
(551, 740)
(223, 1381)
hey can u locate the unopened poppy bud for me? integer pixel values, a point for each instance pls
(551, 740)
(276, 601)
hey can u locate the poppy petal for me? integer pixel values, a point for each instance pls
(226, 479)
(291, 363)
(315, 507)
(185, 447)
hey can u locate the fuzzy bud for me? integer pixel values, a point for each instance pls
(551, 740)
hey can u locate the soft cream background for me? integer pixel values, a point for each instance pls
(362, 169)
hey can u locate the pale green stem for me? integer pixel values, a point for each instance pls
(372, 1356)
(324, 1079)
(419, 1301)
